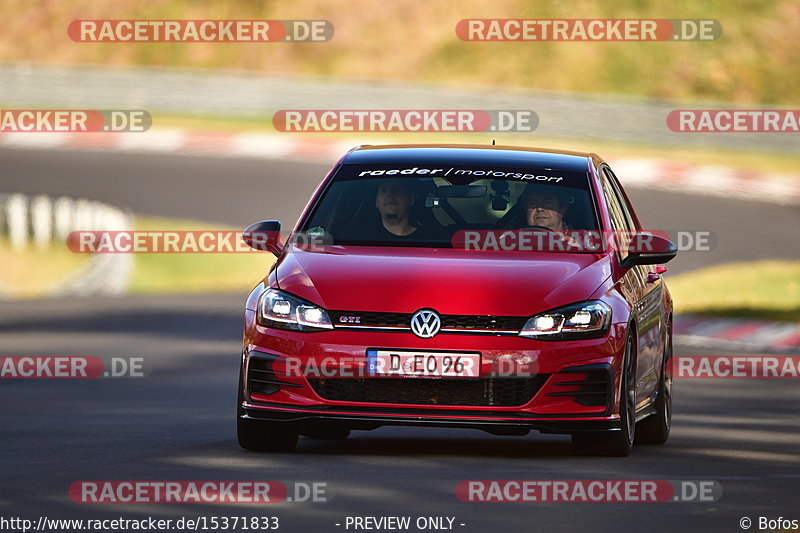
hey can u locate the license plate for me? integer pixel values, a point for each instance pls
(423, 364)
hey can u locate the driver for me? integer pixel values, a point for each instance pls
(393, 201)
(545, 206)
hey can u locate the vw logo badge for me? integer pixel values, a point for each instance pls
(426, 323)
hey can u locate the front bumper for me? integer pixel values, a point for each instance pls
(575, 383)
(490, 421)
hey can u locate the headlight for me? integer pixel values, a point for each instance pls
(575, 321)
(278, 309)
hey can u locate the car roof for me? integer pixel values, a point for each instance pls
(473, 154)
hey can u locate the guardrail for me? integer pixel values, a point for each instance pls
(42, 222)
(225, 93)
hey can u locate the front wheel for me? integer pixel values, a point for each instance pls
(262, 436)
(258, 436)
(655, 428)
(615, 443)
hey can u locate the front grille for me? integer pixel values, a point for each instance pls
(478, 322)
(514, 323)
(370, 318)
(502, 392)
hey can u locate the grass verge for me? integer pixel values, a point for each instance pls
(32, 273)
(753, 61)
(768, 290)
(194, 273)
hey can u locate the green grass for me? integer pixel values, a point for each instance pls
(32, 273)
(768, 290)
(194, 273)
(753, 61)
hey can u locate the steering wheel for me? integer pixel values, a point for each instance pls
(539, 227)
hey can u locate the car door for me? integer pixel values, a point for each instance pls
(648, 307)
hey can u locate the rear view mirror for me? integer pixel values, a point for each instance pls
(461, 191)
(264, 235)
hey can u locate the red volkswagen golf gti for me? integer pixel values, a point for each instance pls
(496, 288)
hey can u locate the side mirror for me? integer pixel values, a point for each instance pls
(264, 235)
(647, 249)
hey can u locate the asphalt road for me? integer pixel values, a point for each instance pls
(177, 423)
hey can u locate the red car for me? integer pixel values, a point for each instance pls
(496, 288)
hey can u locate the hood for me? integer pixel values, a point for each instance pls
(451, 281)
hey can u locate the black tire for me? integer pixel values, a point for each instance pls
(655, 428)
(258, 436)
(262, 436)
(615, 443)
(326, 432)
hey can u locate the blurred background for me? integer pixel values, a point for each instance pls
(213, 156)
(213, 160)
(406, 40)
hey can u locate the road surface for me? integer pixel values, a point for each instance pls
(178, 422)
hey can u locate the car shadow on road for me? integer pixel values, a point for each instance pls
(364, 444)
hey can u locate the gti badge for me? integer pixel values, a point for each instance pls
(426, 323)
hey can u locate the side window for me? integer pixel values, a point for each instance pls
(623, 201)
(619, 221)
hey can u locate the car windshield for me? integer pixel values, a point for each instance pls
(435, 205)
